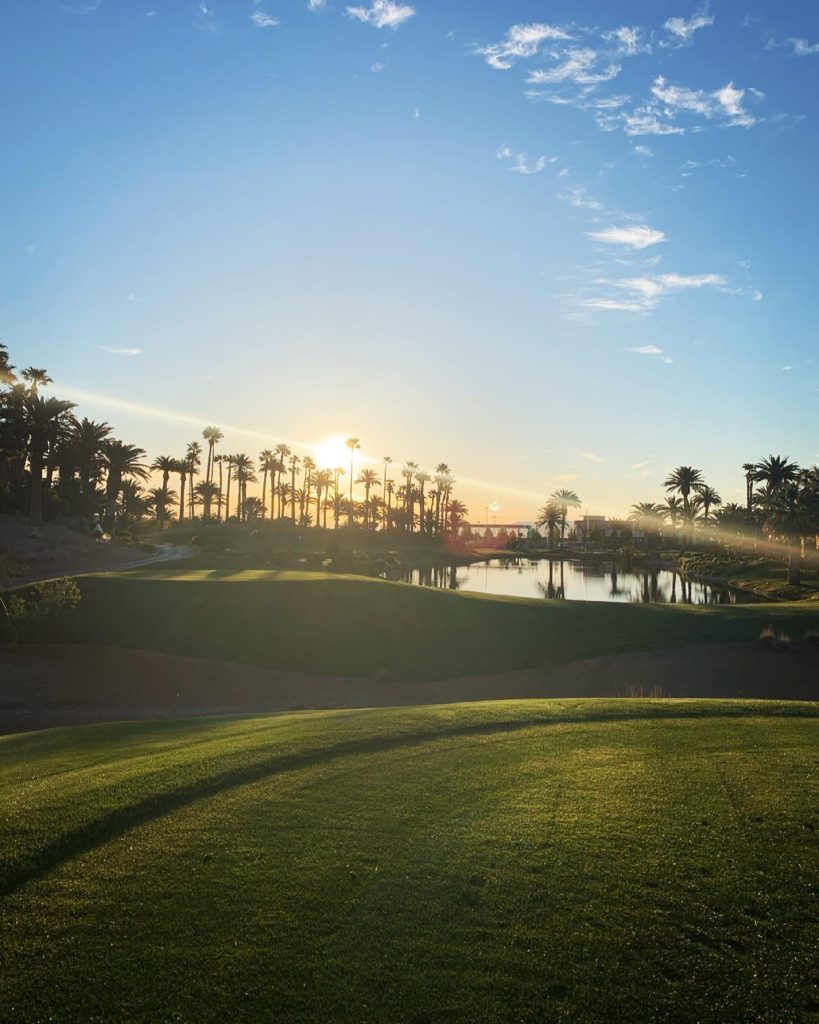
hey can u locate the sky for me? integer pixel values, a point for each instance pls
(552, 244)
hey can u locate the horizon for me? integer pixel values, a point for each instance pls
(552, 249)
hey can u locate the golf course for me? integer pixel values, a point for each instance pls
(520, 861)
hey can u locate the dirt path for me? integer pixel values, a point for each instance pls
(49, 685)
(164, 553)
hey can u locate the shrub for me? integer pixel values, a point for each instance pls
(25, 610)
(767, 637)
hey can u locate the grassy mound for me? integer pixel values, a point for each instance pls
(344, 625)
(577, 860)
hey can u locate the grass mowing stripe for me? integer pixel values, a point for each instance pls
(35, 862)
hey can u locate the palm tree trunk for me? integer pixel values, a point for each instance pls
(36, 497)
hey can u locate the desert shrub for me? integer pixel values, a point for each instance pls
(10, 568)
(23, 611)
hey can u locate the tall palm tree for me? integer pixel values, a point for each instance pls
(352, 443)
(40, 415)
(565, 500)
(443, 476)
(775, 471)
(193, 457)
(165, 465)
(243, 471)
(457, 512)
(220, 461)
(422, 477)
(750, 476)
(369, 479)
(182, 469)
(294, 465)
(120, 460)
(707, 498)
(213, 435)
(387, 460)
(389, 490)
(683, 480)
(7, 375)
(267, 464)
(308, 466)
(673, 509)
(408, 472)
(282, 453)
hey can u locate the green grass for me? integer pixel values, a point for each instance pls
(765, 577)
(514, 862)
(345, 625)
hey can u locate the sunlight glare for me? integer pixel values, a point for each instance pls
(332, 453)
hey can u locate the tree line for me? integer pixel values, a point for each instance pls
(53, 463)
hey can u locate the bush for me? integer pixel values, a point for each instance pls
(25, 610)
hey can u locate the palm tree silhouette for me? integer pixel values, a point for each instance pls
(750, 476)
(294, 463)
(706, 498)
(422, 477)
(683, 480)
(267, 464)
(408, 472)
(565, 500)
(165, 465)
(282, 453)
(369, 479)
(387, 462)
(193, 457)
(36, 378)
(40, 416)
(213, 435)
(352, 443)
(208, 492)
(775, 471)
(550, 517)
(120, 460)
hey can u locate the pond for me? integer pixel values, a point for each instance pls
(574, 580)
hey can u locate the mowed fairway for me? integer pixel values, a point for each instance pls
(520, 861)
(355, 626)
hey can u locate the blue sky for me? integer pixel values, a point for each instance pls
(552, 244)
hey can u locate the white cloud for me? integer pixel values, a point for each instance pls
(643, 293)
(655, 353)
(577, 196)
(639, 236)
(640, 465)
(522, 167)
(316, 5)
(592, 457)
(578, 67)
(683, 29)
(504, 153)
(802, 48)
(786, 368)
(520, 41)
(121, 351)
(628, 40)
(383, 13)
(262, 20)
(645, 151)
(377, 67)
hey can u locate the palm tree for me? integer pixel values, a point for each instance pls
(86, 441)
(387, 462)
(220, 461)
(422, 477)
(6, 369)
(267, 464)
(457, 512)
(207, 492)
(550, 517)
(182, 470)
(775, 471)
(227, 460)
(369, 479)
(193, 457)
(683, 480)
(294, 464)
(36, 378)
(243, 470)
(120, 460)
(565, 500)
(408, 472)
(750, 476)
(282, 453)
(165, 465)
(352, 443)
(213, 435)
(390, 490)
(40, 415)
(706, 498)
(673, 509)
(308, 465)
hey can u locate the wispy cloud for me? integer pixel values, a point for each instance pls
(579, 66)
(669, 103)
(802, 48)
(121, 351)
(628, 40)
(641, 294)
(592, 457)
(316, 5)
(645, 151)
(520, 41)
(656, 353)
(683, 29)
(522, 164)
(640, 465)
(638, 236)
(576, 195)
(262, 20)
(383, 13)
(205, 20)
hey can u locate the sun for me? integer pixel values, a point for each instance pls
(332, 453)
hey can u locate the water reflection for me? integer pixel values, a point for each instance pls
(572, 580)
